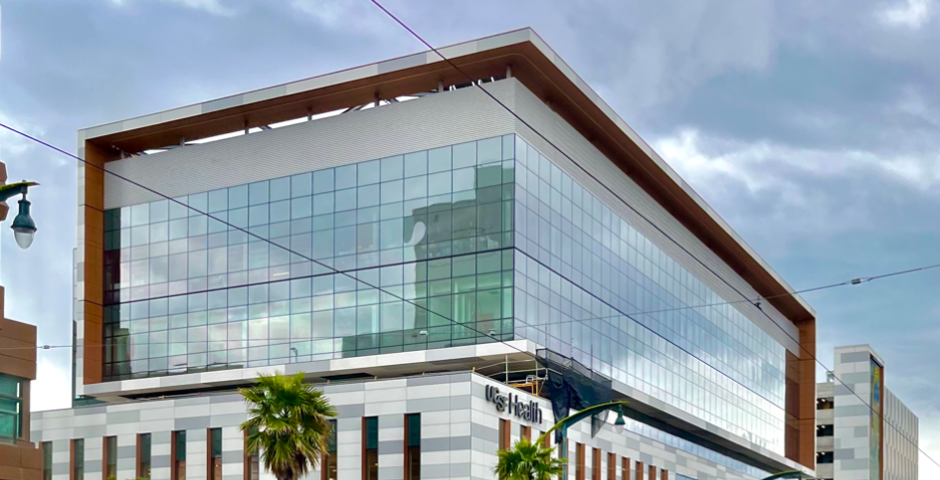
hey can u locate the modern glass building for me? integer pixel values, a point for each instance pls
(392, 220)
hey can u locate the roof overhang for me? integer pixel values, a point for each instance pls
(532, 62)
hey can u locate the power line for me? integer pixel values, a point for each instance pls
(155, 192)
(631, 207)
(305, 257)
(254, 235)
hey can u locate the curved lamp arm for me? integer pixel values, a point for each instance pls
(580, 415)
(11, 189)
(789, 474)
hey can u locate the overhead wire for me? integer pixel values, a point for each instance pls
(453, 322)
(637, 212)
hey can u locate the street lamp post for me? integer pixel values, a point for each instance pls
(24, 228)
(796, 474)
(570, 420)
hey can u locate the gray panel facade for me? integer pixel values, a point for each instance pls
(456, 442)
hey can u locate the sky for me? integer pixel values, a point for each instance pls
(811, 127)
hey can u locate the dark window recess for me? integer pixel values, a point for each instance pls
(252, 467)
(143, 460)
(178, 471)
(825, 404)
(110, 456)
(370, 449)
(328, 471)
(215, 454)
(78, 461)
(825, 430)
(413, 446)
(823, 457)
(46, 460)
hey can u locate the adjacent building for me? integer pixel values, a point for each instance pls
(19, 458)
(863, 430)
(406, 241)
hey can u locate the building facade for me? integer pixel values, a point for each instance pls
(863, 434)
(393, 220)
(19, 458)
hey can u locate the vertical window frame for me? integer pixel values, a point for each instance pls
(143, 451)
(46, 460)
(175, 461)
(211, 468)
(505, 429)
(328, 460)
(77, 459)
(412, 449)
(366, 450)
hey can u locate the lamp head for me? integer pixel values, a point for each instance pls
(24, 228)
(620, 424)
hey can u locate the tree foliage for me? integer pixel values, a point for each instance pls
(288, 421)
(527, 461)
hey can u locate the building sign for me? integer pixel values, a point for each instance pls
(877, 420)
(530, 410)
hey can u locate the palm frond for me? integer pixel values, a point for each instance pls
(288, 421)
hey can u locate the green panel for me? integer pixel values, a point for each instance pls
(216, 442)
(9, 386)
(372, 432)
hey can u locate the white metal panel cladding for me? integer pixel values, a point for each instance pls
(536, 113)
(459, 431)
(429, 122)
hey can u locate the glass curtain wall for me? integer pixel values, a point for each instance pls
(584, 277)
(187, 293)
(470, 236)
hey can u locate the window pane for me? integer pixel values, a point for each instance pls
(258, 193)
(280, 189)
(323, 181)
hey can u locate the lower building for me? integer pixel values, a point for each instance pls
(19, 458)
(431, 426)
(862, 433)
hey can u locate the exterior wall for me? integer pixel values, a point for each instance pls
(434, 121)
(459, 432)
(852, 413)
(19, 459)
(852, 417)
(901, 440)
(429, 122)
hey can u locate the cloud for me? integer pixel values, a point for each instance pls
(360, 16)
(52, 388)
(13, 144)
(211, 6)
(791, 202)
(709, 160)
(668, 48)
(912, 14)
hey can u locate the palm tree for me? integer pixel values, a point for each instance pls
(527, 461)
(289, 422)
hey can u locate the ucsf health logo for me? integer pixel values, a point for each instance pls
(530, 410)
